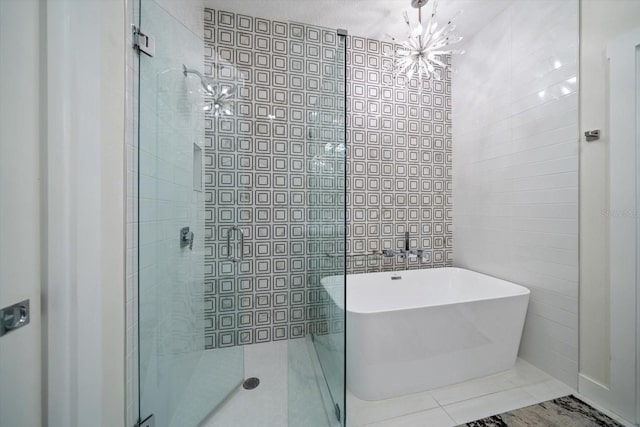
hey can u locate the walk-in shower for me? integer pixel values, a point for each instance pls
(241, 152)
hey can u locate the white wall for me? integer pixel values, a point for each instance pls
(84, 273)
(515, 160)
(20, 225)
(601, 22)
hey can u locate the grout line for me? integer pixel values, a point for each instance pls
(537, 401)
(450, 416)
(541, 377)
(478, 396)
(398, 416)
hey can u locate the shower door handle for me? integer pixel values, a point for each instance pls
(241, 254)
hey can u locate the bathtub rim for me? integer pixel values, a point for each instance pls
(523, 291)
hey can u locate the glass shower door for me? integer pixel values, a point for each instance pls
(186, 368)
(317, 60)
(327, 190)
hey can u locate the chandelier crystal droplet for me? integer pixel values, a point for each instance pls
(221, 101)
(421, 54)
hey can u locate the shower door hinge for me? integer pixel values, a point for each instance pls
(148, 422)
(143, 42)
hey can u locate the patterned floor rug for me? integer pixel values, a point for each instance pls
(568, 411)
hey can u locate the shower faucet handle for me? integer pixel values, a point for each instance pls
(186, 238)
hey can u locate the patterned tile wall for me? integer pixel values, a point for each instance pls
(275, 170)
(399, 178)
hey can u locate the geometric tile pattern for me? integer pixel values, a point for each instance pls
(399, 178)
(275, 168)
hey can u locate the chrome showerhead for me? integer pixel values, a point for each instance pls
(209, 85)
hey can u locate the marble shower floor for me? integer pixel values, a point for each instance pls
(288, 389)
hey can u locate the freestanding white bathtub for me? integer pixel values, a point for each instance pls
(428, 329)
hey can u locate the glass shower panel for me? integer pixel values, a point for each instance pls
(317, 63)
(183, 373)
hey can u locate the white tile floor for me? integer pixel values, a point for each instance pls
(268, 405)
(521, 386)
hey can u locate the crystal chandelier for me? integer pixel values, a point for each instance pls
(422, 51)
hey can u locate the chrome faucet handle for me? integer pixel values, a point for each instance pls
(416, 252)
(387, 253)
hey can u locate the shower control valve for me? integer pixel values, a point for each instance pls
(186, 238)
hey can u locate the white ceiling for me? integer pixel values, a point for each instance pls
(367, 18)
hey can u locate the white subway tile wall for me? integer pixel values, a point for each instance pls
(515, 170)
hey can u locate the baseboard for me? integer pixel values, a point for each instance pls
(600, 397)
(594, 390)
